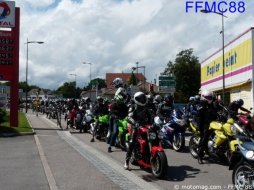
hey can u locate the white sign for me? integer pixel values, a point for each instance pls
(7, 14)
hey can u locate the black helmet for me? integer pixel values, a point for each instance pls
(140, 98)
(157, 98)
(239, 102)
(168, 99)
(99, 99)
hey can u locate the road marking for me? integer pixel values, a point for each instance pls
(112, 169)
(47, 170)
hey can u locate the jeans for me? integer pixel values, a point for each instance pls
(114, 130)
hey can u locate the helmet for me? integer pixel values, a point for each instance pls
(140, 98)
(157, 98)
(117, 82)
(168, 99)
(207, 96)
(121, 91)
(99, 99)
(240, 102)
(192, 98)
(197, 98)
(87, 99)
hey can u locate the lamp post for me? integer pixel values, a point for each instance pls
(29, 42)
(136, 68)
(85, 63)
(223, 49)
(74, 74)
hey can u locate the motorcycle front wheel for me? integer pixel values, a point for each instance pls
(178, 142)
(159, 165)
(240, 177)
(193, 145)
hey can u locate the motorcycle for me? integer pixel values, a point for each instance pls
(87, 121)
(148, 152)
(102, 128)
(173, 131)
(123, 135)
(242, 162)
(221, 142)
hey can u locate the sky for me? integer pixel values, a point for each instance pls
(113, 35)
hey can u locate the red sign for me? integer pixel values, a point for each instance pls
(9, 65)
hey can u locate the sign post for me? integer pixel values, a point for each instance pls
(9, 54)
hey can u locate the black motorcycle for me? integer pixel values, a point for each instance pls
(242, 163)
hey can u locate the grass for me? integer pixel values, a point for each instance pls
(23, 125)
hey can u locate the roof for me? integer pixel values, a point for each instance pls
(125, 76)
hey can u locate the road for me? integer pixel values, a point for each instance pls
(73, 162)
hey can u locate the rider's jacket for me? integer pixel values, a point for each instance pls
(139, 115)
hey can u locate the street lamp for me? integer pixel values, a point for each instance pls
(223, 58)
(136, 68)
(75, 83)
(29, 42)
(85, 63)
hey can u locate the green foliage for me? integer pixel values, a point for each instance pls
(132, 80)
(67, 90)
(3, 116)
(186, 69)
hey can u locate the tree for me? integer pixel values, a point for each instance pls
(97, 81)
(186, 69)
(132, 80)
(67, 90)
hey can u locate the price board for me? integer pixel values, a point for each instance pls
(7, 48)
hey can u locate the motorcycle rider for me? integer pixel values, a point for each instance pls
(139, 114)
(165, 108)
(118, 110)
(235, 106)
(99, 109)
(206, 113)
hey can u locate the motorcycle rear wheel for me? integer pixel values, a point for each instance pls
(159, 165)
(239, 176)
(193, 145)
(178, 143)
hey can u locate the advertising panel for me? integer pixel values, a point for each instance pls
(7, 14)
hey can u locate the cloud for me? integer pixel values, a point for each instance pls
(114, 35)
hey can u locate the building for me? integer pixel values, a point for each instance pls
(238, 70)
(142, 85)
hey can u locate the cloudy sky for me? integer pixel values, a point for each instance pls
(114, 34)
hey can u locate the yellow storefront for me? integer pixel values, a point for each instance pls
(238, 70)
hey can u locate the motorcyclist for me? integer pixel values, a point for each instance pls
(117, 110)
(165, 108)
(235, 106)
(138, 115)
(156, 101)
(99, 109)
(206, 113)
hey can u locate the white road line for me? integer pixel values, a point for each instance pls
(112, 169)
(47, 170)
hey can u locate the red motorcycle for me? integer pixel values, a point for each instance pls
(148, 152)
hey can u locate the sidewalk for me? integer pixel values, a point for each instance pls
(20, 163)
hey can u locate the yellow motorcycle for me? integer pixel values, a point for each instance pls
(221, 141)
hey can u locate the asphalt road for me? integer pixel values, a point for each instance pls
(76, 163)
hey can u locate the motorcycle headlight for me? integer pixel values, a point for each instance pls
(152, 136)
(250, 155)
(160, 135)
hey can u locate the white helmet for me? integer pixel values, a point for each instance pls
(140, 98)
(117, 82)
(207, 96)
